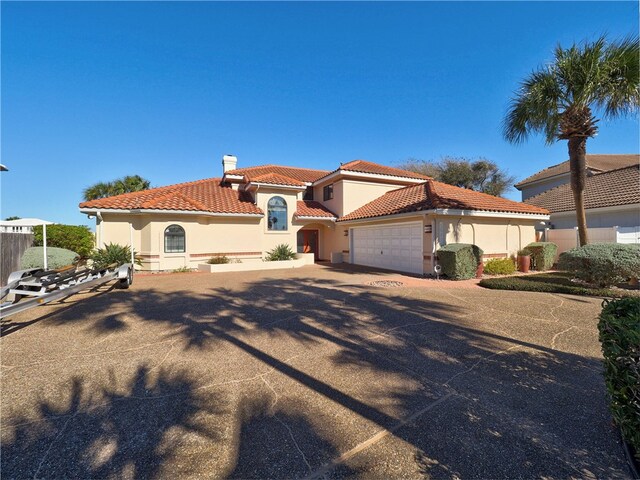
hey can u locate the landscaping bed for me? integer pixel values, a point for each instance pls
(554, 282)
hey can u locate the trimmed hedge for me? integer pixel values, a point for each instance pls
(499, 266)
(619, 328)
(56, 258)
(459, 261)
(543, 255)
(76, 238)
(557, 282)
(602, 264)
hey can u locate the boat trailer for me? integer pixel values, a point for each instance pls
(34, 287)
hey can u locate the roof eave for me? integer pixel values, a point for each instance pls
(139, 211)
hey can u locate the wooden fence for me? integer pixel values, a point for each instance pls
(12, 246)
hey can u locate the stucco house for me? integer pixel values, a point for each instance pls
(611, 193)
(559, 174)
(612, 199)
(361, 212)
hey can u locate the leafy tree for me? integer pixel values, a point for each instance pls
(558, 100)
(481, 174)
(8, 219)
(77, 238)
(130, 183)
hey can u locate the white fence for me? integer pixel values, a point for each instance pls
(567, 238)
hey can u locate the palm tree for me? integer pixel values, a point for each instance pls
(130, 183)
(559, 101)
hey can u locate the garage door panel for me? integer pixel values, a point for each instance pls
(394, 247)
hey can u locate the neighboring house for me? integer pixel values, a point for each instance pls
(612, 199)
(22, 225)
(361, 212)
(557, 175)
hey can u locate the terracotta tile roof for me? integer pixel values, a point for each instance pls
(363, 166)
(209, 195)
(312, 208)
(432, 195)
(306, 175)
(595, 162)
(607, 189)
(276, 179)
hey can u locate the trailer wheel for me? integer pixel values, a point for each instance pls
(126, 282)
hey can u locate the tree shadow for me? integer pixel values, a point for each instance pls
(110, 433)
(410, 351)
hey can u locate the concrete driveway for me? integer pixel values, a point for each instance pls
(306, 373)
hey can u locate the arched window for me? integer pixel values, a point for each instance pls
(277, 214)
(174, 239)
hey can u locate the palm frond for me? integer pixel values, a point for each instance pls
(535, 108)
(619, 90)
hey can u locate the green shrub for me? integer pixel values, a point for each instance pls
(557, 282)
(619, 328)
(543, 255)
(279, 253)
(183, 270)
(218, 259)
(500, 266)
(459, 261)
(56, 258)
(76, 238)
(112, 253)
(602, 264)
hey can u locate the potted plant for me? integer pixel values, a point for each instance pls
(524, 261)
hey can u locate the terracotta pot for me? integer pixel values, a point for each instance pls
(480, 270)
(524, 262)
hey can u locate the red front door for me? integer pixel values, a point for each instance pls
(308, 242)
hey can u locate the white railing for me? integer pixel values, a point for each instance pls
(567, 238)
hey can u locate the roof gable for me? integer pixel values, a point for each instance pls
(364, 166)
(607, 189)
(209, 196)
(595, 162)
(432, 195)
(305, 175)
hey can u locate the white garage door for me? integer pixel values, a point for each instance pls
(394, 247)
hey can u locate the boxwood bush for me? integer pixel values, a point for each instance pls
(619, 328)
(543, 255)
(459, 261)
(76, 238)
(499, 266)
(602, 264)
(56, 258)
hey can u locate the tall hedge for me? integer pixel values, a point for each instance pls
(543, 254)
(459, 261)
(77, 238)
(619, 328)
(602, 264)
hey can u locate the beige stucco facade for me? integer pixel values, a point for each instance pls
(248, 238)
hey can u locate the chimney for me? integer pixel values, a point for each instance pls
(229, 162)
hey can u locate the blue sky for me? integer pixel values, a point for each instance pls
(95, 91)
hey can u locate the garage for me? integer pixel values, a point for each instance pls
(396, 246)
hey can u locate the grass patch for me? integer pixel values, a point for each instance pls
(556, 282)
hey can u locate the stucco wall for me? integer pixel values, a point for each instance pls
(495, 236)
(543, 186)
(626, 216)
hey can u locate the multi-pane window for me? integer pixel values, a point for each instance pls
(277, 214)
(327, 192)
(174, 239)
